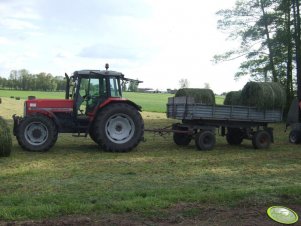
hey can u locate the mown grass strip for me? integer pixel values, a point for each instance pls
(75, 177)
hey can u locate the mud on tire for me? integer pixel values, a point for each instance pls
(37, 133)
(119, 127)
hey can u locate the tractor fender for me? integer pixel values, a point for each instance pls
(119, 100)
(18, 120)
(52, 116)
(111, 101)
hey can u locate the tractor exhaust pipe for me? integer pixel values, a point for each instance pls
(67, 86)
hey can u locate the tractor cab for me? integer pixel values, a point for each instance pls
(90, 88)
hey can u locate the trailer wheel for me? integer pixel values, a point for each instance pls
(261, 139)
(181, 139)
(205, 140)
(295, 137)
(37, 133)
(234, 136)
(119, 127)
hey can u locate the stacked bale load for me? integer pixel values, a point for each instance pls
(5, 139)
(203, 96)
(233, 98)
(263, 95)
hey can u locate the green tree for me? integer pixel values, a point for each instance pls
(24, 79)
(251, 22)
(297, 38)
(14, 81)
(269, 34)
(184, 83)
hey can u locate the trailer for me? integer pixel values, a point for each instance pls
(236, 123)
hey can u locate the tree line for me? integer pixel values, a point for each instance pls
(23, 80)
(269, 33)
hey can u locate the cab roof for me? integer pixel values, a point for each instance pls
(99, 72)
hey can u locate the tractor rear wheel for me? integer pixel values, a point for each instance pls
(119, 127)
(37, 133)
(94, 137)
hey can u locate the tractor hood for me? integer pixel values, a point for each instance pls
(48, 105)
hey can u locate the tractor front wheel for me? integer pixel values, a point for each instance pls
(37, 133)
(119, 127)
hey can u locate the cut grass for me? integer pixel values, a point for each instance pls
(75, 177)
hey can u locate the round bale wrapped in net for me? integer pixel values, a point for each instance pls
(203, 96)
(263, 95)
(233, 98)
(5, 139)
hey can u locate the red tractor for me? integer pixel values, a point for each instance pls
(93, 105)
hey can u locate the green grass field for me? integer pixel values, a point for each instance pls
(77, 178)
(151, 102)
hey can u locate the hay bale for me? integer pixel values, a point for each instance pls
(31, 97)
(17, 98)
(203, 96)
(233, 98)
(263, 95)
(5, 139)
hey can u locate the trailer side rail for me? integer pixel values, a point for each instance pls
(184, 108)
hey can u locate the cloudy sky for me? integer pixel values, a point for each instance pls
(156, 41)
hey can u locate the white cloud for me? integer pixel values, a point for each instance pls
(5, 41)
(17, 24)
(157, 41)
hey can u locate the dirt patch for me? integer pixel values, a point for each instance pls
(180, 214)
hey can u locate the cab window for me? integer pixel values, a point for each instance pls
(114, 86)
